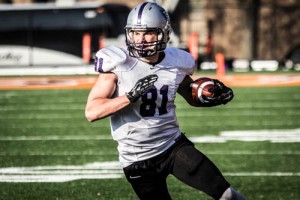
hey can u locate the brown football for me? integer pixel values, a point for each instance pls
(202, 88)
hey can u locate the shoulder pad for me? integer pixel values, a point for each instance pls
(108, 58)
(189, 59)
(181, 59)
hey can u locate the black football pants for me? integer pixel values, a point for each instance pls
(185, 162)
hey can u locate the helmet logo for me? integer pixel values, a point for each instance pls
(141, 12)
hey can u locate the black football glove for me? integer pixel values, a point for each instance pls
(222, 93)
(141, 86)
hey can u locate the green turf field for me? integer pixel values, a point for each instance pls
(50, 151)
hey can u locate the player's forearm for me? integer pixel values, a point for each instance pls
(100, 108)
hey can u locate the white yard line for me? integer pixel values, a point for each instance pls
(55, 137)
(196, 113)
(62, 173)
(116, 154)
(97, 170)
(112, 170)
(251, 174)
(53, 178)
(275, 136)
(252, 153)
(79, 153)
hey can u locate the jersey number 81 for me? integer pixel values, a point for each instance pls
(148, 107)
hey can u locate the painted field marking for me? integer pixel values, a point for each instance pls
(80, 153)
(274, 136)
(253, 153)
(250, 174)
(54, 137)
(62, 173)
(97, 170)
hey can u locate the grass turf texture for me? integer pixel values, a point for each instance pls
(60, 113)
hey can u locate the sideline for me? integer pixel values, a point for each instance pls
(86, 82)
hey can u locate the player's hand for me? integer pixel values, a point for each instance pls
(223, 94)
(226, 96)
(141, 86)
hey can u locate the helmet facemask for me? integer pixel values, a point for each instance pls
(144, 49)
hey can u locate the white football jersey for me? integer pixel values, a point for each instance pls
(149, 126)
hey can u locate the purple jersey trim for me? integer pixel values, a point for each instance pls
(98, 64)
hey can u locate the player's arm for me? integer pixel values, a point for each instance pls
(185, 91)
(99, 103)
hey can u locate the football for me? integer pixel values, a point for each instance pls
(202, 88)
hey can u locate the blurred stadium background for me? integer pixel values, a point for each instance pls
(251, 34)
(49, 151)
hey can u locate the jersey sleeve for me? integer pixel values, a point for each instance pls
(107, 59)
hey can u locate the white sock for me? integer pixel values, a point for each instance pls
(231, 194)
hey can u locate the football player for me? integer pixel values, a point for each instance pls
(137, 88)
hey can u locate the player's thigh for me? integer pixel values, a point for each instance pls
(147, 183)
(196, 170)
